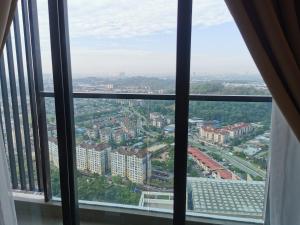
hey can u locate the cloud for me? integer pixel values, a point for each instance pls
(117, 26)
(134, 18)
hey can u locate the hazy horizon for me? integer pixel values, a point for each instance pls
(111, 37)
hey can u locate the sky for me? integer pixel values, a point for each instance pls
(138, 37)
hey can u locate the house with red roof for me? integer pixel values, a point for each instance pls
(210, 165)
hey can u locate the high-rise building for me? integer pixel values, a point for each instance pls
(93, 157)
(53, 151)
(132, 163)
(118, 163)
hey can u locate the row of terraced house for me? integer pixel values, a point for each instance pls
(224, 134)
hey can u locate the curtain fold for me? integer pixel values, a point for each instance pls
(283, 202)
(7, 206)
(7, 11)
(271, 30)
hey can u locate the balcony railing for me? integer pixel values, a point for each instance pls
(24, 127)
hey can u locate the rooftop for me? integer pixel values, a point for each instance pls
(97, 147)
(226, 197)
(236, 126)
(140, 153)
(210, 163)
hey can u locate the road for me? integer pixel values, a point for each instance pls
(234, 160)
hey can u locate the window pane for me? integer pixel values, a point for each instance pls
(125, 153)
(129, 47)
(44, 34)
(53, 149)
(227, 159)
(220, 61)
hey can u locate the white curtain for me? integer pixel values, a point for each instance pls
(283, 202)
(7, 206)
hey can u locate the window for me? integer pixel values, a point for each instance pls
(111, 124)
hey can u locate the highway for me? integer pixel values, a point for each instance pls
(234, 160)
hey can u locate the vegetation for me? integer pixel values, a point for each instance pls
(162, 184)
(231, 112)
(100, 188)
(192, 168)
(218, 88)
(215, 156)
(168, 164)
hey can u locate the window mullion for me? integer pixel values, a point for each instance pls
(184, 21)
(62, 78)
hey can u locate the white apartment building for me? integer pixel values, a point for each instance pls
(222, 135)
(134, 164)
(138, 167)
(89, 157)
(81, 157)
(238, 129)
(53, 151)
(118, 164)
(214, 135)
(93, 158)
(97, 159)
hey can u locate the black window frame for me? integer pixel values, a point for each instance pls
(64, 95)
(64, 99)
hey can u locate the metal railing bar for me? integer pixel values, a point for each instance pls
(15, 109)
(8, 128)
(193, 97)
(32, 95)
(23, 101)
(40, 102)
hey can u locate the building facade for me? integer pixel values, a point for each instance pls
(92, 158)
(157, 120)
(132, 163)
(53, 151)
(118, 164)
(214, 135)
(224, 134)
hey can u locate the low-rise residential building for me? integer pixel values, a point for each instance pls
(215, 135)
(222, 135)
(105, 135)
(157, 120)
(118, 135)
(211, 166)
(131, 126)
(238, 129)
